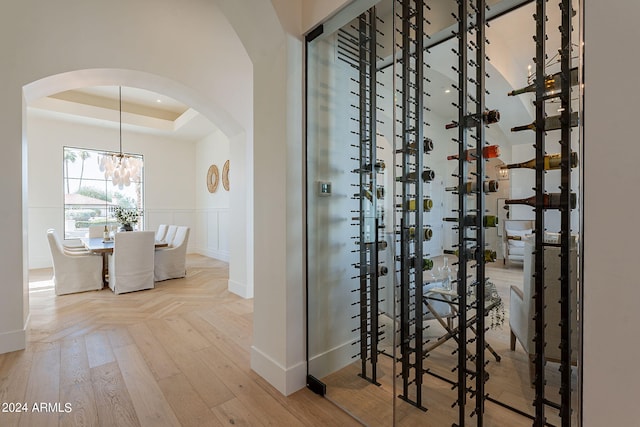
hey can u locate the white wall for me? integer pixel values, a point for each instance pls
(611, 291)
(212, 209)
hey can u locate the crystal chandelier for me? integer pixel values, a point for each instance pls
(120, 168)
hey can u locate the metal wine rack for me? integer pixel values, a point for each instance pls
(358, 48)
(541, 401)
(471, 372)
(411, 200)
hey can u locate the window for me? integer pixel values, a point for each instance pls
(89, 196)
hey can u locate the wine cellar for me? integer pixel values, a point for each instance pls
(416, 135)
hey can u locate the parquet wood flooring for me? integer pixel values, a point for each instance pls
(176, 355)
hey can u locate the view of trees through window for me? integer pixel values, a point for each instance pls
(90, 197)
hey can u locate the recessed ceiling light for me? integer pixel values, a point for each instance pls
(447, 90)
(159, 101)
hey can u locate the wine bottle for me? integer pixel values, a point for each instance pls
(550, 201)
(427, 264)
(380, 270)
(472, 186)
(379, 167)
(382, 244)
(488, 117)
(550, 123)
(427, 175)
(488, 152)
(369, 194)
(551, 162)
(551, 83)
(427, 144)
(470, 254)
(427, 233)
(427, 204)
(470, 220)
(105, 233)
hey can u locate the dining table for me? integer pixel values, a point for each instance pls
(100, 246)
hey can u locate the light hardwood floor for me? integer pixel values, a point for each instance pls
(508, 383)
(174, 355)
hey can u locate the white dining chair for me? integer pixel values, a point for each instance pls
(161, 233)
(170, 262)
(131, 264)
(73, 272)
(171, 234)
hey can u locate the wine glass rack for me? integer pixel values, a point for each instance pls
(358, 48)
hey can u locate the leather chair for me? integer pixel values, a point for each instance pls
(170, 262)
(131, 264)
(73, 272)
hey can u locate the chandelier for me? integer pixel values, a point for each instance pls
(120, 168)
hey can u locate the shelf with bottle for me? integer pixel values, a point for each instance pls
(487, 117)
(470, 155)
(552, 84)
(550, 201)
(426, 264)
(490, 186)
(412, 147)
(550, 123)
(471, 220)
(471, 254)
(427, 175)
(427, 233)
(378, 167)
(551, 162)
(410, 205)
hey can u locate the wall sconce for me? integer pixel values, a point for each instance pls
(503, 173)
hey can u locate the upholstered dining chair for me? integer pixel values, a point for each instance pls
(72, 246)
(170, 262)
(171, 234)
(73, 272)
(131, 264)
(161, 232)
(522, 305)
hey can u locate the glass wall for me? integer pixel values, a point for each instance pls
(400, 235)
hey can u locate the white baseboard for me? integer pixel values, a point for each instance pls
(285, 380)
(13, 340)
(240, 289)
(333, 359)
(214, 253)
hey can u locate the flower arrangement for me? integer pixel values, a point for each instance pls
(126, 216)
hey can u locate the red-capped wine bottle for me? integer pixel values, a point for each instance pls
(551, 83)
(487, 117)
(488, 152)
(550, 123)
(550, 201)
(471, 187)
